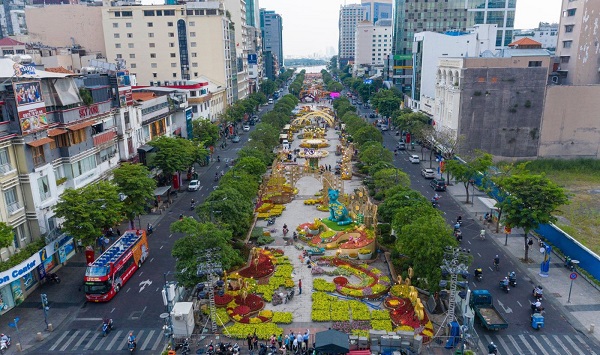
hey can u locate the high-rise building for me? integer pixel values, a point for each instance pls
(350, 17)
(413, 16)
(373, 45)
(577, 44)
(237, 11)
(255, 57)
(271, 26)
(12, 18)
(166, 43)
(376, 10)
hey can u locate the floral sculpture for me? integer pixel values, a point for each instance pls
(337, 211)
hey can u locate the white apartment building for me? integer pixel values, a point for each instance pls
(166, 43)
(237, 9)
(430, 47)
(350, 17)
(546, 34)
(373, 45)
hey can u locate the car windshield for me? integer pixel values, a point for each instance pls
(97, 288)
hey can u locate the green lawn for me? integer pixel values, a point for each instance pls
(581, 178)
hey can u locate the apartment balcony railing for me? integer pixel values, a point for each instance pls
(12, 208)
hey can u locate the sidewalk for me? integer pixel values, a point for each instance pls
(583, 311)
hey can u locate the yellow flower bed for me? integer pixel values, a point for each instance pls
(264, 215)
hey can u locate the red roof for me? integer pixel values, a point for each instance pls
(6, 41)
(525, 41)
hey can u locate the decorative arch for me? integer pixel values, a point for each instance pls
(306, 119)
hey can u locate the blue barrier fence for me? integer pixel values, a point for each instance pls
(588, 260)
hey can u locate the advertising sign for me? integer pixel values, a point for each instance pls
(20, 270)
(30, 106)
(252, 59)
(188, 123)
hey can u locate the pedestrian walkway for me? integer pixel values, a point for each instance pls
(535, 344)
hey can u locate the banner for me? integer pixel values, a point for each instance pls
(30, 106)
(20, 270)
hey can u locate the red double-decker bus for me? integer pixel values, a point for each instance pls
(107, 274)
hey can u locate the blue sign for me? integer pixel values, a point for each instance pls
(368, 81)
(573, 276)
(252, 59)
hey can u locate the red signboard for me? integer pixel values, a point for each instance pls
(408, 138)
(89, 111)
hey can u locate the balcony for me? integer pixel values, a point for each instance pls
(13, 208)
(6, 168)
(104, 137)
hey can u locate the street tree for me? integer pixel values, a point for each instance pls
(198, 237)
(530, 201)
(386, 102)
(422, 242)
(414, 203)
(205, 131)
(7, 236)
(135, 183)
(504, 170)
(259, 98)
(258, 150)
(268, 87)
(173, 154)
(266, 134)
(242, 182)
(89, 210)
(468, 171)
(251, 165)
(366, 134)
(386, 178)
(373, 153)
(228, 207)
(447, 144)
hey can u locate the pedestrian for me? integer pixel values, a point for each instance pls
(300, 290)
(295, 345)
(305, 337)
(329, 167)
(79, 245)
(255, 342)
(300, 339)
(249, 339)
(273, 340)
(287, 341)
(118, 233)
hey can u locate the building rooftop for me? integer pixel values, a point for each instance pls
(61, 70)
(532, 52)
(525, 42)
(143, 96)
(10, 42)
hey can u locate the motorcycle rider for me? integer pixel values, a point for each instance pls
(482, 234)
(538, 292)
(218, 158)
(497, 262)
(512, 278)
(478, 273)
(4, 339)
(536, 306)
(459, 219)
(131, 340)
(505, 283)
(492, 348)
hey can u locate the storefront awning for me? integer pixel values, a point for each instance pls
(159, 191)
(40, 142)
(488, 202)
(145, 148)
(81, 125)
(56, 132)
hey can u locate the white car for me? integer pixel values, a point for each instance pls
(246, 128)
(428, 173)
(414, 159)
(194, 185)
(384, 127)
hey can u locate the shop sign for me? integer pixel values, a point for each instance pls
(20, 270)
(89, 111)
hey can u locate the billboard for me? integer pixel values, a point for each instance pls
(252, 59)
(30, 106)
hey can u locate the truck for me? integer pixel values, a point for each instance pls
(482, 304)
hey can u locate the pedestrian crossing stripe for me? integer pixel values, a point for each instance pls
(539, 344)
(80, 340)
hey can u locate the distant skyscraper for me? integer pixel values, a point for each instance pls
(376, 10)
(271, 26)
(413, 16)
(350, 17)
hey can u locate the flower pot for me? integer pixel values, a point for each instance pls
(365, 256)
(314, 231)
(353, 256)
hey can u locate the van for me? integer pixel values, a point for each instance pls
(270, 101)
(285, 144)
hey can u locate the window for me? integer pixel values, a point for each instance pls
(44, 188)
(126, 13)
(133, 65)
(153, 65)
(155, 75)
(150, 24)
(130, 35)
(151, 35)
(194, 55)
(192, 23)
(38, 155)
(173, 55)
(152, 55)
(117, 45)
(152, 45)
(569, 28)
(194, 65)
(12, 203)
(170, 24)
(119, 56)
(570, 12)
(169, 12)
(132, 56)
(158, 12)
(117, 35)
(79, 168)
(130, 45)
(195, 74)
(78, 136)
(115, 25)
(128, 24)
(171, 45)
(173, 65)
(174, 75)
(148, 12)
(564, 59)
(4, 161)
(567, 44)
(192, 34)
(171, 34)
(192, 44)
(117, 13)
(535, 63)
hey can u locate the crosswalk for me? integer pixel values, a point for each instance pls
(540, 344)
(91, 341)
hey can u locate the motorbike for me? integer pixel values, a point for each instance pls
(4, 342)
(270, 221)
(512, 279)
(536, 309)
(479, 274)
(54, 278)
(150, 229)
(458, 235)
(216, 178)
(569, 263)
(210, 348)
(185, 347)
(492, 349)
(192, 206)
(218, 158)
(482, 234)
(503, 284)
(131, 345)
(537, 292)
(107, 326)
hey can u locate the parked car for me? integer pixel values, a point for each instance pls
(427, 173)
(235, 139)
(438, 184)
(401, 146)
(414, 159)
(194, 185)
(384, 127)
(246, 128)
(372, 115)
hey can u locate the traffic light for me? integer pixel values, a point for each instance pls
(44, 300)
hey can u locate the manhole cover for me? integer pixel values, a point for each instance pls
(556, 294)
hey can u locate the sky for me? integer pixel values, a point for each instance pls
(311, 26)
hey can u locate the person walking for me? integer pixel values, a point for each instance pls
(305, 338)
(300, 286)
(280, 340)
(249, 339)
(255, 342)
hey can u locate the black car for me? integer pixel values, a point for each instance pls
(438, 184)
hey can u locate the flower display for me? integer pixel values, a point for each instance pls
(263, 331)
(340, 311)
(282, 317)
(360, 311)
(340, 281)
(241, 310)
(222, 301)
(323, 285)
(318, 315)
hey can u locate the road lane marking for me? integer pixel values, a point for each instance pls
(526, 343)
(539, 345)
(140, 274)
(112, 310)
(583, 342)
(58, 342)
(503, 343)
(557, 339)
(479, 255)
(89, 319)
(554, 350)
(151, 260)
(148, 338)
(520, 305)
(161, 247)
(69, 341)
(514, 343)
(577, 347)
(128, 288)
(170, 235)
(110, 345)
(85, 335)
(156, 343)
(101, 342)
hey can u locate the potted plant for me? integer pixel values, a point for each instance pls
(365, 254)
(353, 256)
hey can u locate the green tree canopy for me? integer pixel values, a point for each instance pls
(228, 207)
(268, 87)
(410, 200)
(134, 181)
(7, 236)
(173, 154)
(266, 134)
(468, 171)
(88, 210)
(386, 102)
(198, 238)
(366, 134)
(373, 153)
(205, 131)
